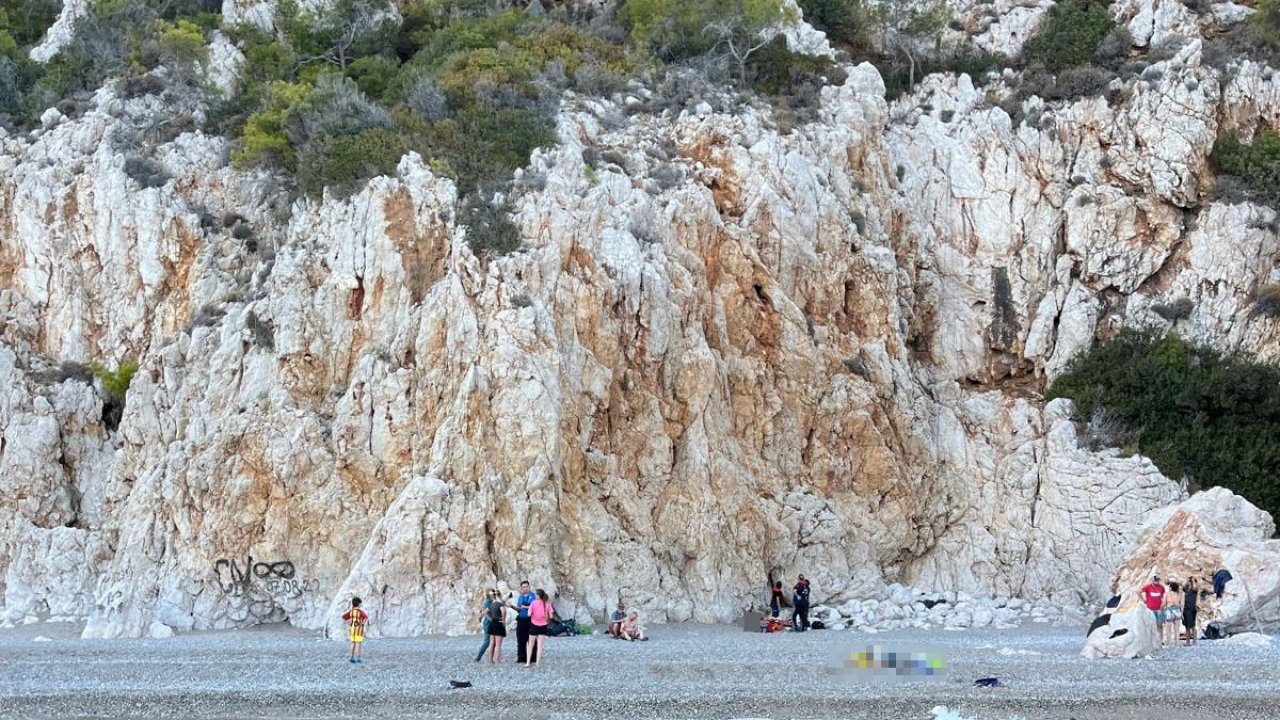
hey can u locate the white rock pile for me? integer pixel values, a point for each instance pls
(902, 607)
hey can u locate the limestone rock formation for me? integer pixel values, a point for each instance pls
(1130, 632)
(1211, 531)
(733, 351)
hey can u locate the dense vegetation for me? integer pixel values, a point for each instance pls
(1249, 171)
(473, 86)
(905, 41)
(1199, 414)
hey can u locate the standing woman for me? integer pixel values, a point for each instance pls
(490, 597)
(497, 628)
(776, 598)
(1190, 604)
(1172, 613)
(539, 618)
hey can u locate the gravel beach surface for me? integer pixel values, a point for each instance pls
(686, 671)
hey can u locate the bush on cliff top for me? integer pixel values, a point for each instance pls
(1211, 418)
(1255, 165)
(1071, 35)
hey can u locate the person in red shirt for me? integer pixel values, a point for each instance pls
(1153, 596)
(356, 620)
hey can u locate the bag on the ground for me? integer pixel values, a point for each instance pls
(563, 629)
(817, 625)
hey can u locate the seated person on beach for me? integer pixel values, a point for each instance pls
(631, 629)
(616, 620)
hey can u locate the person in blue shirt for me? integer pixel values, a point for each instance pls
(523, 601)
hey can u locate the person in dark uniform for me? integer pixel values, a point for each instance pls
(800, 598)
(1190, 604)
(523, 601)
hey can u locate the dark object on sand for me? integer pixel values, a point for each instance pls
(929, 603)
(987, 682)
(1213, 631)
(817, 625)
(1114, 602)
(459, 684)
(1101, 620)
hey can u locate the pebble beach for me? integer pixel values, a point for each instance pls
(686, 671)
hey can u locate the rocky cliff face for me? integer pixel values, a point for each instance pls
(729, 351)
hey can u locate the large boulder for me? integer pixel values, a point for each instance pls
(1211, 531)
(1129, 631)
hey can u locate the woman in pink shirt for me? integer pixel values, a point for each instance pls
(539, 618)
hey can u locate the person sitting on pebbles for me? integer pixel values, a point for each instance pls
(618, 617)
(631, 629)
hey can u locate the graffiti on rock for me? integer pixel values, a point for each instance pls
(273, 578)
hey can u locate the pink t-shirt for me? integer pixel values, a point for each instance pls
(540, 612)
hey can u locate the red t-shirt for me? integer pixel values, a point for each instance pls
(1153, 593)
(355, 616)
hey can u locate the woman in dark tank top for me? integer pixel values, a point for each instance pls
(1190, 605)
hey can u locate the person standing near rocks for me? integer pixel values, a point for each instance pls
(776, 599)
(1172, 614)
(1153, 597)
(1190, 605)
(523, 602)
(800, 618)
(490, 597)
(540, 612)
(497, 628)
(356, 620)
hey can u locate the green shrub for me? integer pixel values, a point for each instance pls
(264, 139)
(900, 77)
(344, 32)
(1071, 35)
(25, 22)
(844, 21)
(179, 46)
(374, 75)
(468, 71)
(489, 227)
(1256, 165)
(491, 143)
(335, 106)
(344, 162)
(1267, 20)
(679, 29)
(116, 383)
(1197, 414)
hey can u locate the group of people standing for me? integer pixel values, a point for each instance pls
(533, 611)
(799, 603)
(1173, 605)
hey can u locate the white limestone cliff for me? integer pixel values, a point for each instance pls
(739, 351)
